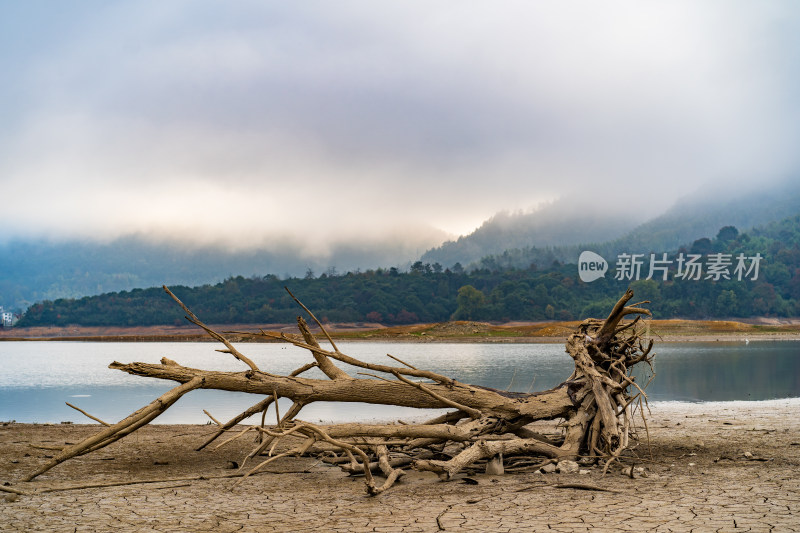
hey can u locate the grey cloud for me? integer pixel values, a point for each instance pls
(390, 113)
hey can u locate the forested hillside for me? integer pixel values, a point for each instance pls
(564, 223)
(429, 293)
(693, 217)
(33, 271)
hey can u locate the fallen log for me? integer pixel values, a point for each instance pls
(593, 406)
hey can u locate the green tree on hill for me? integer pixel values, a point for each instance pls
(470, 302)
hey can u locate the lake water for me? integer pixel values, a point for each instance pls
(38, 377)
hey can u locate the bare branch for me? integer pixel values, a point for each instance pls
(87, 414)
(402, 362)
(196, 321)
(257, 408)
(353, 361)
(217, 422)
(474, 413)
(325, 364)
(314, 318)
(122, 428)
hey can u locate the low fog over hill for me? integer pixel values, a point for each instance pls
(38, 270)
(698, 215)
(564, 222)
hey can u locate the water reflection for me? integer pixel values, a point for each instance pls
(723, 371)
(38, 377)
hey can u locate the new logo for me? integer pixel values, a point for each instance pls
(591, 266)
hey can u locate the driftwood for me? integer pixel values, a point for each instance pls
(594, 407)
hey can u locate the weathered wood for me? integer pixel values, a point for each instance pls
(592, 405)
(122, 428)
(541, 406)
(87, 414)
(257, 408)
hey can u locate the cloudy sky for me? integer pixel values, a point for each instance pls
(257, 122)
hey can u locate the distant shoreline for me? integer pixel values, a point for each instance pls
(459, 331)
(455, 340)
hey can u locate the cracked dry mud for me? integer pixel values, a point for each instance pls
(700, 480)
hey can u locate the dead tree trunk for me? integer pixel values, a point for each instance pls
(594, 405)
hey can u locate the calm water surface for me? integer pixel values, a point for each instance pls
(38, 377)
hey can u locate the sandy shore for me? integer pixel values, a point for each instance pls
(714, 467)
(459, 331)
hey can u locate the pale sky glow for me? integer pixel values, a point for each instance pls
(262, 123)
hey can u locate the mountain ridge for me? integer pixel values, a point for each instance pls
(770, 286)
(690, 218)
(33, 271)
